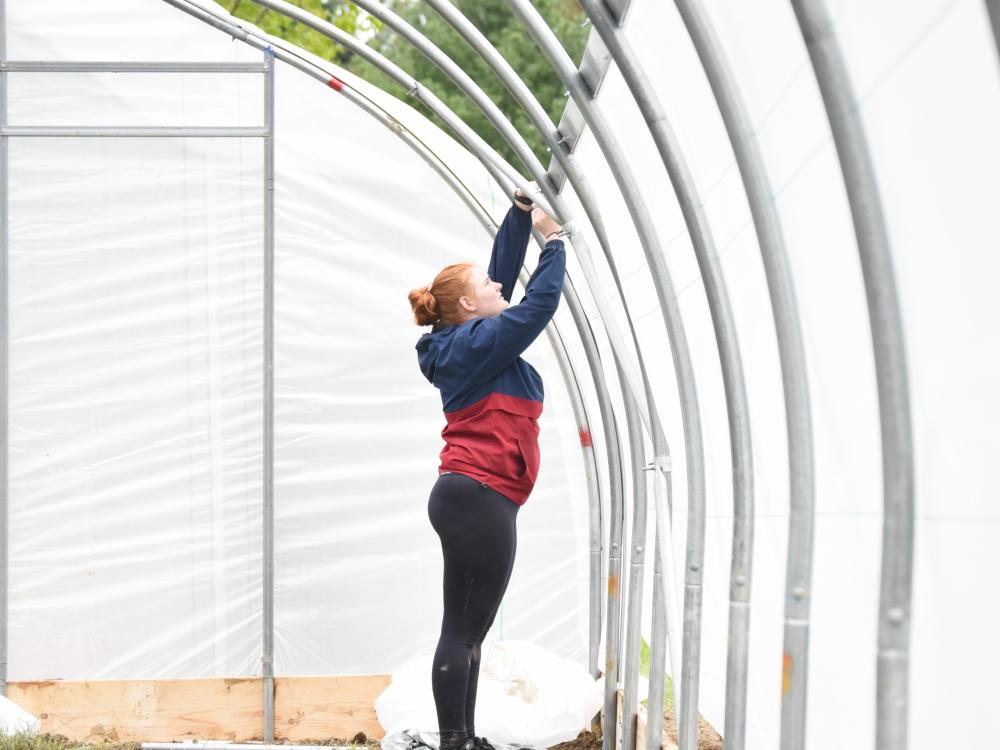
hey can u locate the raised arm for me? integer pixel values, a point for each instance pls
(509, 248)
(496, 342)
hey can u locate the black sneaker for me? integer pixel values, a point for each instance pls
(481, 743)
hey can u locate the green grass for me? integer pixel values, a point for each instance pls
(28, 741)
(668, 686)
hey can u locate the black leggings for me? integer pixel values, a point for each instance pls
(478, 531)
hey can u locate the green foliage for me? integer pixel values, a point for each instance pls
(491, 17)
(343, 15)
(668, 685)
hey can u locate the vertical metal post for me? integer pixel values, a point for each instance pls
(612, 640)
(657, 653)
(798, 419)
(667, 628)
(4, 353)
(616, 511)
(635, 579)
(590, 465)
(885, 319)
(267, 660)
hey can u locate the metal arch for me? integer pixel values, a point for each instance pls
(474, 143)
(993, 9)
(612, 445)
(784, 307)
(616, 486)
(637, 540)
(722, 319)
(861, 184)
(564, 68)
(464, 133)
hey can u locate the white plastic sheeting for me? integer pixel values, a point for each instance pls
(15, 720)
(135, 362)
(526, 696)
(136, 382)
(926, 76)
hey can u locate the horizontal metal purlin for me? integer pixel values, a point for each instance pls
(36, 66)
(593, 68)
(58, 131)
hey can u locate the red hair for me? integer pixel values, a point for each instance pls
(438, 303)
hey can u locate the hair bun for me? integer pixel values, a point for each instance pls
(443, 305)
(424, 306)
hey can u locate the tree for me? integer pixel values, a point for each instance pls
(343, 15)
(491, 17)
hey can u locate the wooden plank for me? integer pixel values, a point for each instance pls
(93, 711)
(145, 710)
(323, 707)
(641, 723)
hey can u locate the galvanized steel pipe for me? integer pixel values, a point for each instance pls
(895, 596)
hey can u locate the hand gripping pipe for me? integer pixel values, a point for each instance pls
(590, 346)
(695, 553)
(725, 335)
(798, 419)
(895, 597)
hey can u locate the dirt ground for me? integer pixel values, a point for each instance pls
(708, 738)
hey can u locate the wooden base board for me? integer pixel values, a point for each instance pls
(305, 708)
(641, 721)
(640, 726)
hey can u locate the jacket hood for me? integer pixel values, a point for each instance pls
(431, 348)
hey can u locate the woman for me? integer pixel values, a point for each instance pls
(492, 399)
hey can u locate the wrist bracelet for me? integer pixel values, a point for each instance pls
(558, 232)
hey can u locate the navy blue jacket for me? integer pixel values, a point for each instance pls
(492, 398)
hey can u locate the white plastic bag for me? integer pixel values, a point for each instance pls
(527, 697)
(14, 719)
